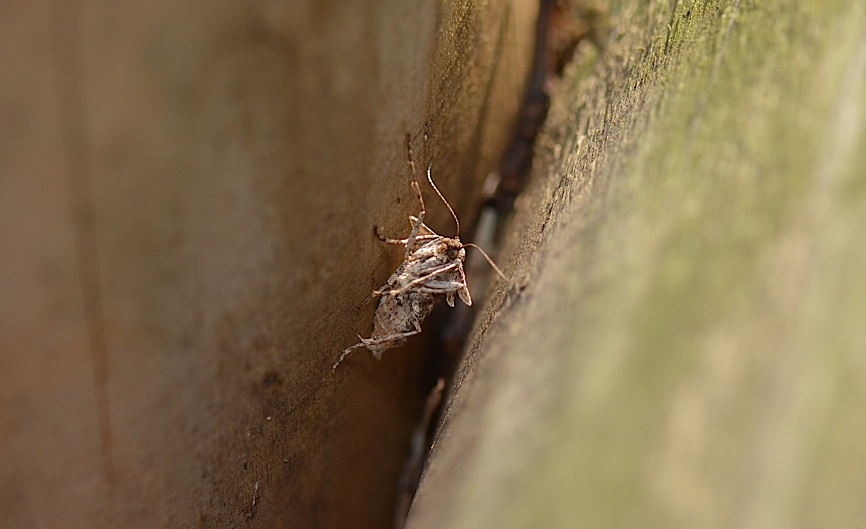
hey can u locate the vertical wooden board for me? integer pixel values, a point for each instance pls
(49, 431)
(189, 192)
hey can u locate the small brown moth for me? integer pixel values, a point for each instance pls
(432, 269)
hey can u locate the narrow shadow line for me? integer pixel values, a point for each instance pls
(66, 30)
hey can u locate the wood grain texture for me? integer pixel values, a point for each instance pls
(683, 342)
(187, 201)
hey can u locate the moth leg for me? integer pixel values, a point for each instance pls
(439, 287)
(410, 285)
(426, 231)
(388, 339)
(416, 226)
(346, 352)
(387, 240)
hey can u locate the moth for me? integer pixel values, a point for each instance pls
(432, 270)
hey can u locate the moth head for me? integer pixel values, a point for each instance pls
(454, 249)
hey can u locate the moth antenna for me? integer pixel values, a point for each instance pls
(447, 205)
(489, 260)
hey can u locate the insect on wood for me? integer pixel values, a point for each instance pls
(432, 270)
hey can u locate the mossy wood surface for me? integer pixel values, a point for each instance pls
(683, 342)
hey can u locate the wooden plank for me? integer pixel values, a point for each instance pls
(683, 341)
(188, 197)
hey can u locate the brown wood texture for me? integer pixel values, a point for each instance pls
(187, 198)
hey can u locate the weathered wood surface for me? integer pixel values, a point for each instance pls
(684, 340)
(187, 196)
